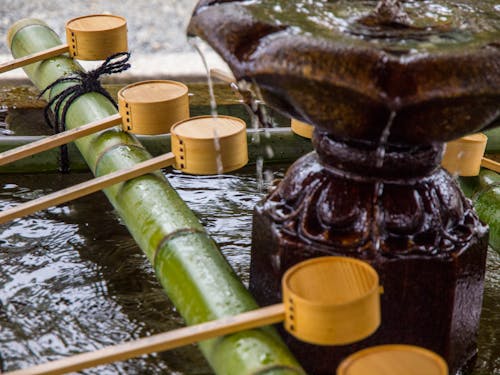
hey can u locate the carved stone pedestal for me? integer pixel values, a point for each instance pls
(406, 217)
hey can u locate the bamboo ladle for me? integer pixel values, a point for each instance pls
(92, 37)
(326, 301)
(464, 156)
(201, 145)
(393, 359)
(86, 188)
(147, 107)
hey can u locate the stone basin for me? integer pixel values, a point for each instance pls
(345, 67)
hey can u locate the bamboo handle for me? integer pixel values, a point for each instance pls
(223, 76)
(490, 164)
(39, 56)
(160, 342)
(86, 188)
(58, 139)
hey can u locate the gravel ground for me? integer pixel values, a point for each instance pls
(155, 26)
(156, 33)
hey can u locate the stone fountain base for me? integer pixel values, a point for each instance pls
(406, 217)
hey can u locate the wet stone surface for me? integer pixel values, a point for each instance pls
(334, 65)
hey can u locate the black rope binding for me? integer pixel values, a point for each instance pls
(85, 82)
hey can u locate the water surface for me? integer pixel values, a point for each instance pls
(73, 280)
(426, 25)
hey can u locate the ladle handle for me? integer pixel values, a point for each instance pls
(87, 187)
(39, 56)
(160, 342)
(490, 164)
(58, 139)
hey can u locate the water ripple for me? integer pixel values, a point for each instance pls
(73, 279)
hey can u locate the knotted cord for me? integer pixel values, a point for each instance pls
(85, 82)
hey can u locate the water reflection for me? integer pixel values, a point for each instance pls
(73, 280)
(489, 331)
(452, 22)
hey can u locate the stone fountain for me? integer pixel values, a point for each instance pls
(385, 85)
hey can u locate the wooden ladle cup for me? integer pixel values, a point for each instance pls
(147, 107)
(326, 301)
(203, 145)
(464, 156)
(92, 37)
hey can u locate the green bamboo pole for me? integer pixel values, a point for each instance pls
(493, 145)
(484, 190)
(487, 204)
(187, 262)
(284, 145)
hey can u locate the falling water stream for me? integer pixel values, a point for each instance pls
(251, 98)
(193, 41)
(382, 143)
(379, 185)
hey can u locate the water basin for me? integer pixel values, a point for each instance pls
(334, 65)
(73, 279)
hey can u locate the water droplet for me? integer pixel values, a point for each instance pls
(259, 170)
(265, 358)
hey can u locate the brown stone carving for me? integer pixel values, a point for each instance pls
(442, 78)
